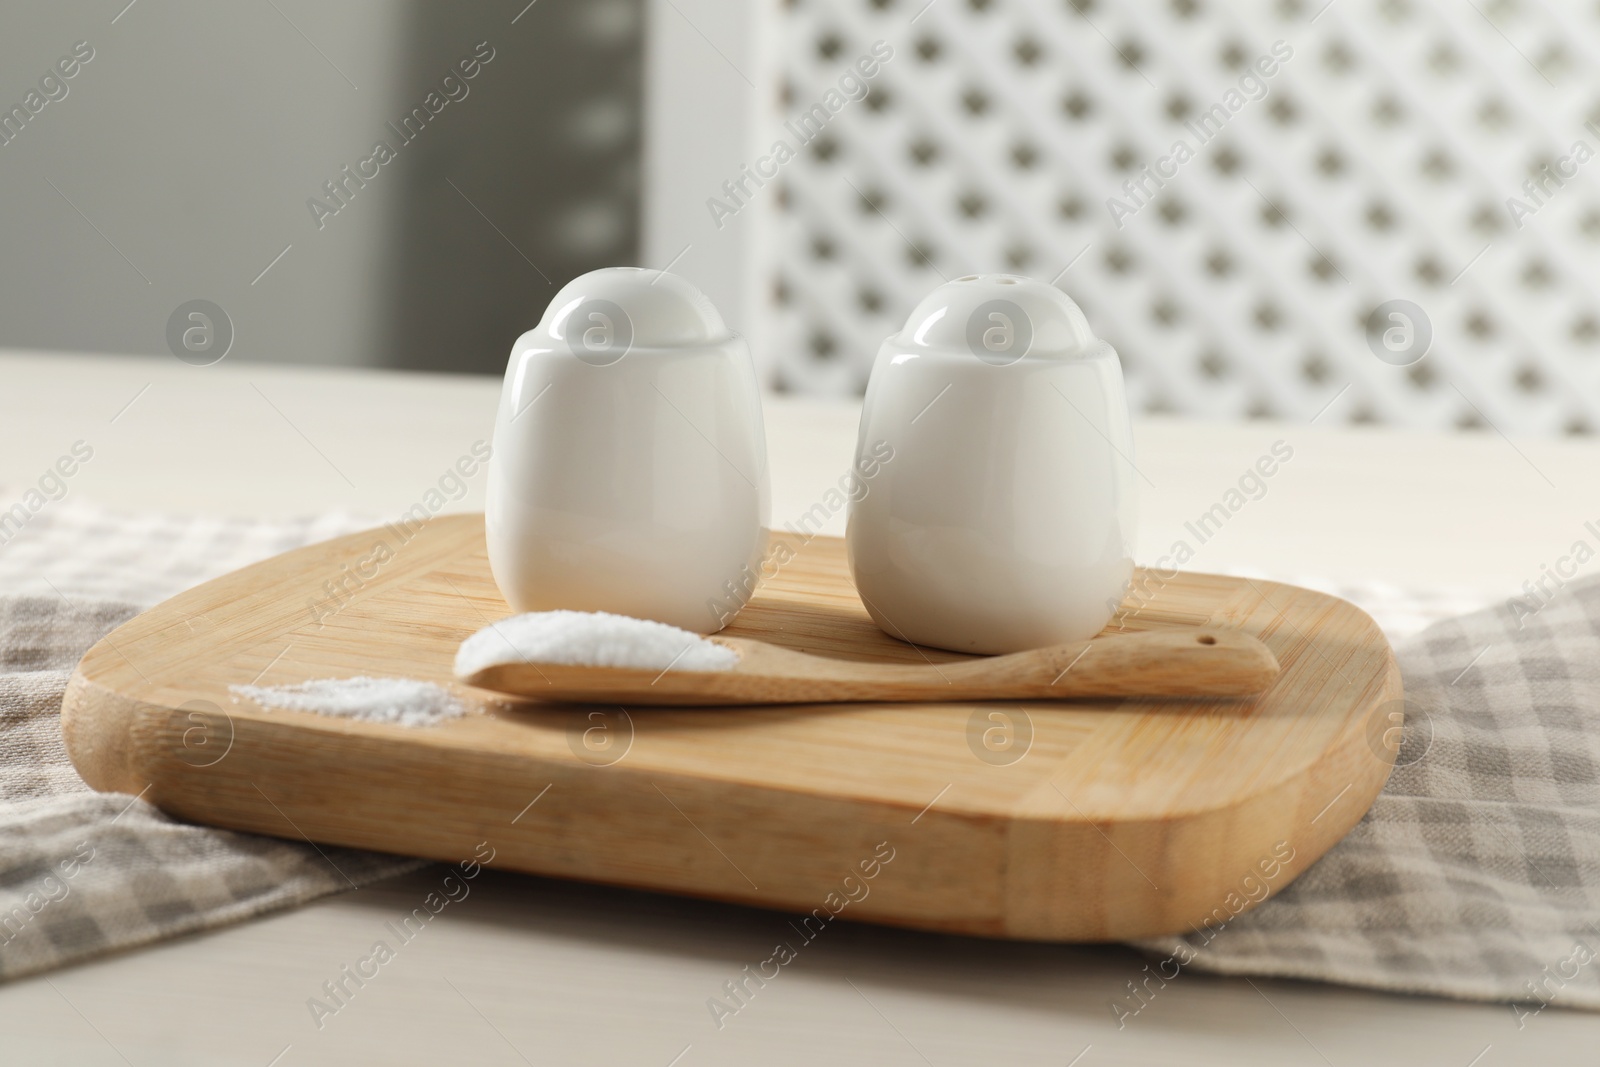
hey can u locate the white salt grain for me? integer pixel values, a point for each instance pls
(404, 701)
(590, 639)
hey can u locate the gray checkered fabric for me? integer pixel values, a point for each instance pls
(1477, 872)
(82, 873)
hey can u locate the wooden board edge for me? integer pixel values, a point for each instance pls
(1145, 860)
(97, 730)
(133, 744)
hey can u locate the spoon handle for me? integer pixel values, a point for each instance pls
(1156, 663)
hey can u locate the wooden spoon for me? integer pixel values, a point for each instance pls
(1205, 662)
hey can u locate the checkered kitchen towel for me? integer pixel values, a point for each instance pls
(1477, 872)
(82, 873)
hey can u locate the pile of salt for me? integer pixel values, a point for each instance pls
(404, 701)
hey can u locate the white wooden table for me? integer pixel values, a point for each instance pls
(536, 971)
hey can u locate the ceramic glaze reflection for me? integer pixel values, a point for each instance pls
(629, 471)
(1006, 520)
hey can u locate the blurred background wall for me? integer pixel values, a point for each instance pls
(180, 161)
(1343, 162)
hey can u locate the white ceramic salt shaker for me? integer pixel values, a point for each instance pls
(630, 470)
(1005, 519)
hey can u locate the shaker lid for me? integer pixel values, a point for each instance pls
(631, 307)
(999, 318)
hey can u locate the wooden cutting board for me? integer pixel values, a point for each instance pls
(1059, 821)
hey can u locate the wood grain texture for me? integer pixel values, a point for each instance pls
(1195, 663)
(1084, 821)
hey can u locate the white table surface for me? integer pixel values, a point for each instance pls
(530, 970)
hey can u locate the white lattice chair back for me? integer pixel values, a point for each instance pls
(1341, 156)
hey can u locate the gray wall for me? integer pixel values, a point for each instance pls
(180, 161)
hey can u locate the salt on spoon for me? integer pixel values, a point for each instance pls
(590, 639)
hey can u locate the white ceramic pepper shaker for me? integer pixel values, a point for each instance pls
(630, 469)
(1006, 519)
